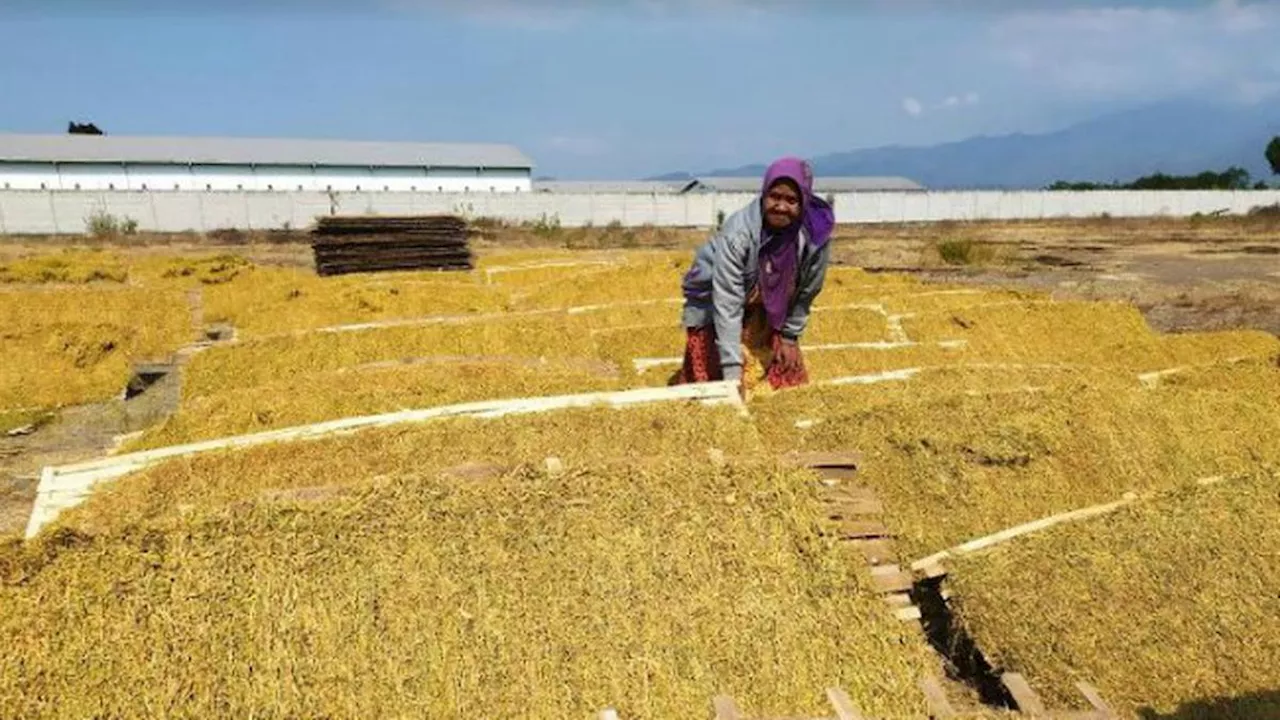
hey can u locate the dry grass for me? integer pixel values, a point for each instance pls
(299, 399)
(194, 271)
(396, 588)
(358, 575)
(1002, 323)
(624, 344)
(281, 380)
(656, 280)
(956, 458)
(76, 345)
(69, 266)
(578, 437)
(1112, 335)
(549, 237)
(845, 325)
(258, 363)
(1168, 607)
(833, 364)
(281, 300)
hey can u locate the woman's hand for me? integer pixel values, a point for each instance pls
(788, 356)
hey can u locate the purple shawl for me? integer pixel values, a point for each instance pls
(780, 252)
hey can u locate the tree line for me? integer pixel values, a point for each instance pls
(1233, 178)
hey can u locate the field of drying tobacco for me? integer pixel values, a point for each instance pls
(646, 558)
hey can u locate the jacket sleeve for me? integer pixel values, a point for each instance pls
(811, 284)
(729, 295)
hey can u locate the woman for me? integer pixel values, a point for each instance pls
(754, 281)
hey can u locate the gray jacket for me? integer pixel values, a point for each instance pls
(724, 270)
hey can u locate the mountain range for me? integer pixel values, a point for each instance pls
(1177, 137)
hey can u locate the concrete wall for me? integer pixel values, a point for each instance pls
(261, 178)
(27, 212)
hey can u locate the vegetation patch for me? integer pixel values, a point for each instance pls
(22, 420)
(72, 266)
(964, 251)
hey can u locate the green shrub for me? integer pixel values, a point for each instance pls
(102, 224)
(956, 251)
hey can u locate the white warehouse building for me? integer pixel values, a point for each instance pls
(103, 162)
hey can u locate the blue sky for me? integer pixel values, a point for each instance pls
(626, 88)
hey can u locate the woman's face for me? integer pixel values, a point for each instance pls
(781, 205)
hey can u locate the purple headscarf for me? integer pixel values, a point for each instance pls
(780, 253)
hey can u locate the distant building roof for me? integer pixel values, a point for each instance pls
(71, 148)
(821, 184)
(610, 186)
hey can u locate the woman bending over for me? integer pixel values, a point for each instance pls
(754, 281)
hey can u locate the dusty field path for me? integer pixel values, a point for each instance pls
(1204, 274)
(77, 433)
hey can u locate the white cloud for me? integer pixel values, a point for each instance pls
(912, 106)
(953, 102)
(1126, 51)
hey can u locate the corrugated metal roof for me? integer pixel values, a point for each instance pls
(260, 151)
(610, 186)
(821, 184)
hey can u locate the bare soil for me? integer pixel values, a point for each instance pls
(1184, 275)
(78, 433)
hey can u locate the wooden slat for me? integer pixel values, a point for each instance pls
(877, 551)
(897, 600)
(891, 579)
(908, 614)
(153, 368)
(837, 473)
(554, 466)
(726, 708)
(1027, 700)
(1095, 699)
(863, 529)
(842, 704)
(855, 507)
(837, 495)
(828, 459)
(934, 570)
(936, 696)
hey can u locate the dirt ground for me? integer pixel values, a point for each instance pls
(1183, 274)
(78, 433)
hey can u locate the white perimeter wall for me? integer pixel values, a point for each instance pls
(26, 212)
(259, 178)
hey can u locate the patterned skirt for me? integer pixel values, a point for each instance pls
(702, 357)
